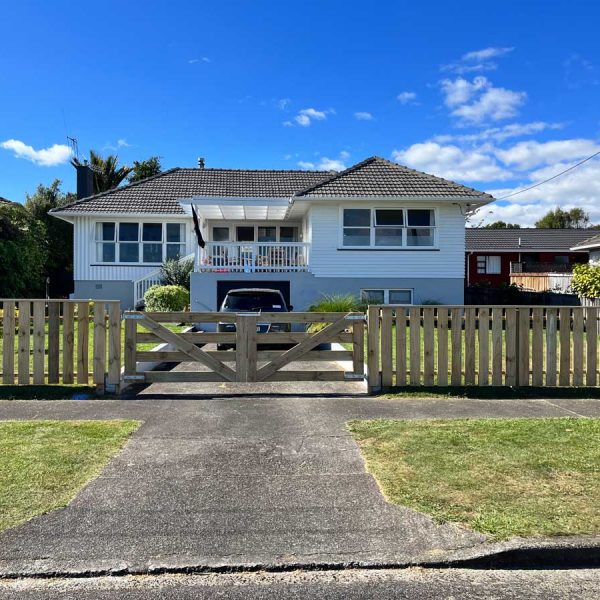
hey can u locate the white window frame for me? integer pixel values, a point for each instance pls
(386, 294)
(234, 224)
(486, 264)
(140, 263)
(405, 227)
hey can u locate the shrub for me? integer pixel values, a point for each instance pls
(337, 303)
(166, 298)
(586, 281)
(176, 272)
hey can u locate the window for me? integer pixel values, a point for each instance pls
(175, 240)
(220, 234)
(288, 234)
(388, 227)
(386, 296)
(105, 242)
(267, 234)
(129, 242)
(357, 227)
(489, 265)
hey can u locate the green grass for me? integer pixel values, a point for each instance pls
(43, 464)
(502, 477)
(490, 392)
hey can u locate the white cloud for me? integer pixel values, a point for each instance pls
(193, 61)
(327, 164)
(363, 116)
(122, 143)
(307, 115)
(56, 154)
(283, 103)
(530, 154)
(499, 134)
(406, 97)
(477, 101)
(452, 162)
(344, 155)
(303, 164)
(485, 54)
(477, 61)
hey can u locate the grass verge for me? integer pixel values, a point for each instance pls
(43, 464)
(502, 477)
(491, 392)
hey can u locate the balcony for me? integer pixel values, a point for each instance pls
(541, 267)
(253, 257)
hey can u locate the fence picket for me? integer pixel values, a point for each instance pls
(456, 335)
(511, 347)
(24, 335)
(386, 347)
(373, 374)
(428, 345)
(442, 340)
(39, 335)
(523, 346)
(551, 355)
(484, 344)
(415, 346)
(564, 376)
(114, 344)
(537, 348)
(83, 331)
(591, 328)
(497, 354)
(53, 342)
(400, 346)
(470, 318)
(358, 347)
(8, 343)
(68, 341)
(99, 367)
(577, 342)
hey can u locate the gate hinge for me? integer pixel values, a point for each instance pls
(354, 376)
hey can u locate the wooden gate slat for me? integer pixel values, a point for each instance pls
(537, 348)
(577, 342)
(484, 344)
(428, 346)
(373, 327)
(83, 332)
(511, 347)
(551, 356)
(53, 342)
(470, 346)
(497, 354)
(400, 346)
(387, 372)
(39, 335)
(24, 335)
(591, 324)
(358, 347)
(523, 350)
(68, 332)
(415, 346)
(564, 376)
(456, 335)
(442, 340)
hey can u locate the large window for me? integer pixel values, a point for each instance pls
(388, 227)
(263, 234)
(489, 265)
(148, 243)
(386, 296)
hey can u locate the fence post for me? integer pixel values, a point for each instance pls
(374, 376)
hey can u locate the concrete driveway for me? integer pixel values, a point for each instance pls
(240, 482)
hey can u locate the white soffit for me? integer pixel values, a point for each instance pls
(242, 209)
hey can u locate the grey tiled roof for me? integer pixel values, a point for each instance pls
(371, 178)
(160, 194)
(5, 201)
(593, 241)
(496, 240)
(378, 177)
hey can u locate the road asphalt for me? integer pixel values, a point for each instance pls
(242, 483)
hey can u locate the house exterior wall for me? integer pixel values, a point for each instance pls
(105, 290)
(329, 259)
(595, 257)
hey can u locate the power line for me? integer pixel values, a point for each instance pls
(551, 178)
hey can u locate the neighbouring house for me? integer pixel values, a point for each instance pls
(378, 229)
(591, 245)
(4, 201)
(525, 256)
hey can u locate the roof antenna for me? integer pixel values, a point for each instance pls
(201, 162)
(74, 146)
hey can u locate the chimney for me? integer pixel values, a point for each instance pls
(85, 180)
(201, 162)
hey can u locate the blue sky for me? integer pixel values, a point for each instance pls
(497, 95)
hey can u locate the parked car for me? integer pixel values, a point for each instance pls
(253, 300)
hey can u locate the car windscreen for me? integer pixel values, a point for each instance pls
(254, 302)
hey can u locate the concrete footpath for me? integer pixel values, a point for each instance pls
(243, 483)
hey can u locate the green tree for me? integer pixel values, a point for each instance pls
(107, 172)
(142, 169)
(576, 218)
(501, 225)
(58, 236)
(23, 253)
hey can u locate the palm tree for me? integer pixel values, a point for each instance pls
(107, 174)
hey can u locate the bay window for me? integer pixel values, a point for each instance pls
(149, 243)
(388, 227)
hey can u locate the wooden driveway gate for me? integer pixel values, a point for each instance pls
(249, 362)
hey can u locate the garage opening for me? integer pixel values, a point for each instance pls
(224, 286)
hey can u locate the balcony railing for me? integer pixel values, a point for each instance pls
(540, 267)
(253, 257)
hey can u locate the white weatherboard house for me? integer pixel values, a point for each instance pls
(377, 229)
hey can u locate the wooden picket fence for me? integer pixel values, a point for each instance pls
(48, 341)
(482, 345)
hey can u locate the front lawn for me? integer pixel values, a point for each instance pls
(502, 477)
(43, 464)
